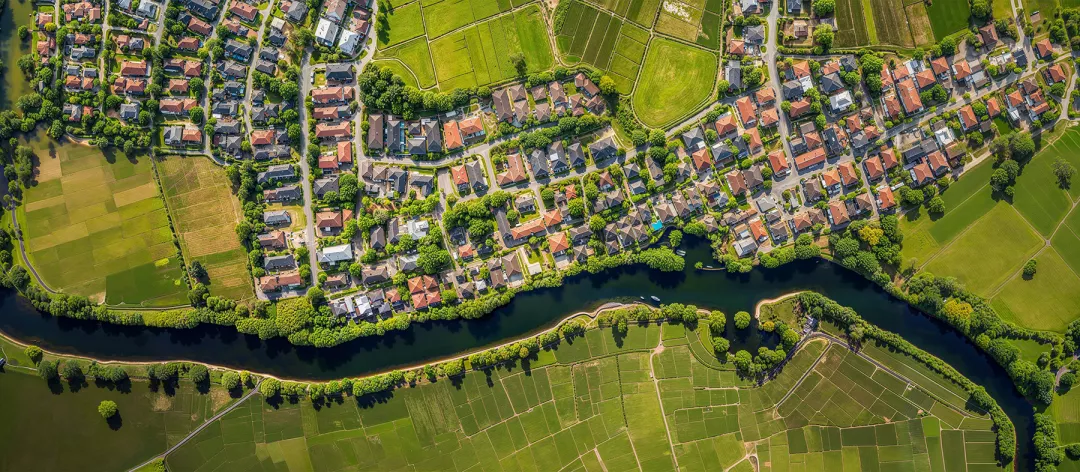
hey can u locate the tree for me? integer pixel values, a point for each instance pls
(72, 372)
(1022, 146)
(823, 36)
(675, 238)
(980, 9)
(742, 320)
(270, 388)
(230, 380)
(597, 223)
(107, 409)
(518, 60)
(1029, 268)
(198, 374)
(936, 205)
(1064, 171)
(824, 7)
(197, 271)
(607, 86)
(34, 353)
(48, 370)
(196, 115)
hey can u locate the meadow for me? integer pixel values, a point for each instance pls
(412, 61)
(95, 225)
(675, 80)
(55, 420)
(985, 241)
(601, 403)
(405, 22)
(205, 213)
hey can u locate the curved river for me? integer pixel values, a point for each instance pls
(527, 313)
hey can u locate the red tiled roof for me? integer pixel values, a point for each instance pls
(838, 211)
(452, 135)
(778, 162)
(809, 159)
(848, 174)
(874, 169)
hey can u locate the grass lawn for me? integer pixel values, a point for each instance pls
(1048, 301)
(948, 17)
(415, 57)
(675, 79)
(1038, 197)
(989, 252)
(205, 214)
(1066, 411)
(1046, 7)
(405, 24)
(95, 225)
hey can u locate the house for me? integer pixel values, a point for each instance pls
(514, 172)
(334, 254)
(848, 175)
(938, 164)
(328, 131)
(909, 97)
(330, 222)
(585, 85)
(349, 42)
(326, 32)
(1044, 49)
(779, 163)
(603, 149)
(885, 198)
(476, 175)
(754, 34)
(274, 240)
(339, 73)
(736, 182)
(989, 35)
(281, 281)
(813, 190)
(747, 111)
(334, 94)
(295, 10)
(967, 118)
(810, 159)
(276, 263)
(921, 174)
(725, 126)
(874, 168)
(841, 101)
(243, 10)
(276, 218)
(133, 68)
(838, 213)
(283, 194)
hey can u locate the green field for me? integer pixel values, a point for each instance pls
(596, 38)
(989, 252)
(405, 23)
(474, 55)
(95, 225)
(948, 17)
(607, 405)
(984, 242)
(851, 23)
(64, 431)
(205, 214)
(675, 80)
(889, 23)
(413, 61)
(399, 68)
(444, 16)
(1049, 301)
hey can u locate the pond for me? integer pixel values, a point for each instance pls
(526, 314)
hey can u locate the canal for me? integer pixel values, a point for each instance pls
(526, 314)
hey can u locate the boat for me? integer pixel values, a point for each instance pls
(642, 298)
(653, 297)
(708, 267)
(680, 252)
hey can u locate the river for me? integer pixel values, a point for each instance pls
(526, 314)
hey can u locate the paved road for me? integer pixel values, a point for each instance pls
(305, 169)
(203, 426)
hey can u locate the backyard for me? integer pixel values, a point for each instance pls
(95, 225)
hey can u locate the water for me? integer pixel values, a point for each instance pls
(16, 13)
(528, 313)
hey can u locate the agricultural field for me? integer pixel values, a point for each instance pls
(675, 80)
(205, 213)
(696, 21)
(985, 241)
(904, 23)
(95, 225)
(55, 421)
(602, 404)
(405, 22)
(463, 45)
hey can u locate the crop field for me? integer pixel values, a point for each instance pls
(472, 55)
(95, 225)
(948, 17)
(606, 404)
(691, 20)
(412, 61)
(851, 24)
(675, 80)
(619, 50)
(642, 12)
(205, 214)
(890, 24)
(444, 16)
(55, 420)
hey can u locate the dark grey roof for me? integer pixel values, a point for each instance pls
(324, 185)
(577, 155)
(831, 83)
(603, 149)
(539, 163)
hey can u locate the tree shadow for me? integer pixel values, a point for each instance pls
(115, 421)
